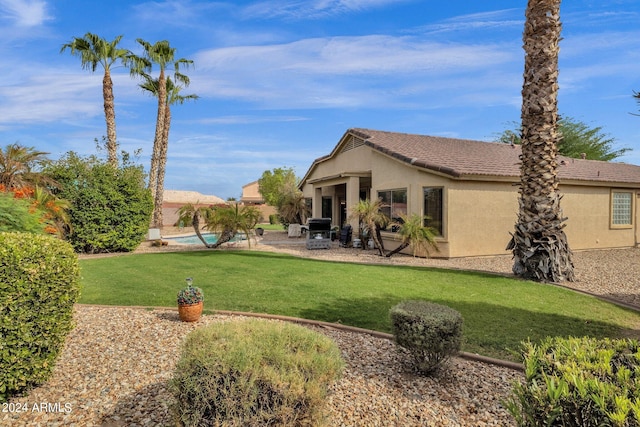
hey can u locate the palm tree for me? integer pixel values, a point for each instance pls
(539, 244)
(226, 221)
(293, 208)
(414, 233)
(173, 96)
(163, 55)
(18, 167)
(190, 214)
(372, 219)
(93, 51)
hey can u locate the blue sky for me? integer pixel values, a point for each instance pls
(281, 81)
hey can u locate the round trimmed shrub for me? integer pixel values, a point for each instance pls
(254, 373)
(39, 283)
(431, 332)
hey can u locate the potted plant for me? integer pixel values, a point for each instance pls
(190, 302)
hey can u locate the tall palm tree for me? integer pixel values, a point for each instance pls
(173, 97)
(414, 233)
(369, 214)
(539, 244)
(18, 167)
(93, 51)
(163, 55)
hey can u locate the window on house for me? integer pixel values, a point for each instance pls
(433, 208)
(308, 204)
(621, 208)
(394, 204)
(327, 207)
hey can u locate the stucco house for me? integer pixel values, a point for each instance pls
(251, 197)
(469, 189)
(251, 194)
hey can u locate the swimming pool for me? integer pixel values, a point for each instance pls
(210, 238)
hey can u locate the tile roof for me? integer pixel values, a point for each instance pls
(467, 158)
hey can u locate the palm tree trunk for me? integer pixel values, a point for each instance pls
(110, 118)
(157, 209)
(157, 141)
(398, 249)
(377, 237)
(224, 237)
(539, 244)
(196, 227)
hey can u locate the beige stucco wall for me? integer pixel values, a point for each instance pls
(478, 215)
(481, 216)
(356, 159)
(251, 192)
(589, 213)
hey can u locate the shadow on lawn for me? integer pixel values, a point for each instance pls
(507, 326)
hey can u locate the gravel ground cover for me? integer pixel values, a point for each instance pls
(117, 361)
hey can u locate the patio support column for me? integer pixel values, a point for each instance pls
(353, 196)
(316, 203)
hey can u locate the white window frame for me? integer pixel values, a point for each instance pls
(622, 208)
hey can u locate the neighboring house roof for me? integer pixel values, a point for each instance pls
(177, 196)
(463, 158)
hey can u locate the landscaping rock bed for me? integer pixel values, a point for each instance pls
(116, 364)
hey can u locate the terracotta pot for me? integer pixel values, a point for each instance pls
(190, 312)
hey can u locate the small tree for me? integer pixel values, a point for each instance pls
(228, 220)
(293, 209)
(415, 234)
(190, 214)
(371, 219)
(576, 139)
(272, 185)
(21, 166)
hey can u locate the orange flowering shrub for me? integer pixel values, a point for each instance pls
(47, 211)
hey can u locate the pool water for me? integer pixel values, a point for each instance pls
(210, 238)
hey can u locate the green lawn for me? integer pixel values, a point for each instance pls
(272, 227)
(498, 312)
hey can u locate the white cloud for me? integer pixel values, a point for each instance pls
(344, 71)
(493, 20)
(180, 13)
(243, 120)
(24, 13)
(316, 9)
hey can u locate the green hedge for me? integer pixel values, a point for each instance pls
(39, 283)
(578, 382)
(254, 373)
(431, 332)
(110, 207)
